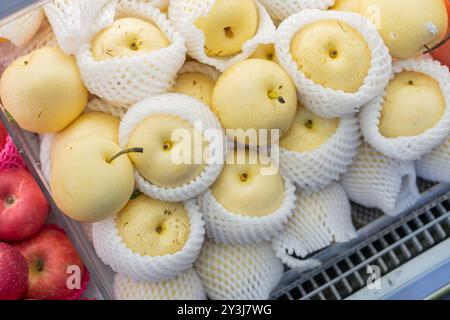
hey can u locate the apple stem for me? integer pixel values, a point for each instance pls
(9, 200)
(126, 151)
(440, 44)
(40, 265)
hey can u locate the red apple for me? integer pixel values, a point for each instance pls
(13, 273)
(51, 260)
(23, 206)
(3, 136)
(443, 53)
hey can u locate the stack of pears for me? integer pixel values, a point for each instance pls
(93, 179)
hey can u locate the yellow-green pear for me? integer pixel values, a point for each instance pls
(127, 37)
(171, 157)
(228, 25)
(43, 90)
(247, 186)
(197, 85)
(408, 27)
(265, 51)
(88, 184)
(413, 103)
(332, 54)
(308, 132)
(255, 94)
(88, 124)
(153, 228)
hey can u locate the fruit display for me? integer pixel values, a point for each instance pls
(204, 145)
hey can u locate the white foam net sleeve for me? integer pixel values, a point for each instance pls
(412, 147)
(327, 102)
(230, 228)
(186, 286)
(9, 52)
(183, 14)
(100, 105)
(197, 67)
(319, 220)
(111, 249)
(435, 166)
(124, 81)
(376, 181)
(318, 168)
(281, 9)
(232, 272)
(162, 5)
(202, 118)
(75, 22)
(21, 30)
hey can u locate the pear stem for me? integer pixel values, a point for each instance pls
(136, 195)
(126, 151)
(440, 44)
(272, 95)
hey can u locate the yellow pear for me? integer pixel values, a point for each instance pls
(153, 228)
(265, 51)
(346, 5)
(408, 27)
(245, 188)
(88, 124)
(228, 25)
(308, 132)
(196, 85)
(171, 157)
(43, 90)
(332, 54)
(255, 94)
(127, 37)
(413, 103)
(89, 185)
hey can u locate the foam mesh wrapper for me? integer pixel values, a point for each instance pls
(281, 9)
(186, 286)
(124, 81)
(228, 227)
(319, 220)
(232, 272)
(327, 102)
(197, 67)
(112, 250)
(435, 166)
(314, 170)
(376, 181)
(201, 118)
(183, 14)
(21, 30)
(410, 147)
(75, 22)
(43, 38)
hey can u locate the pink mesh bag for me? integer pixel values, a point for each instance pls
(9, 156)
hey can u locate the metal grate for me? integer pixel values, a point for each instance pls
(390, 248)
